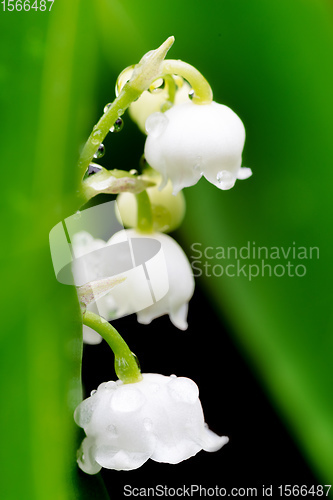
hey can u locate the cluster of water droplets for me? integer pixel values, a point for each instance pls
(97, 134)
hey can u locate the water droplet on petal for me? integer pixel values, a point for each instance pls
(91, 170)
(112, 430)
(154, 388)
(93, 392)
(198, 167)
(133, 172)
(100, 151)
(110, 385)
(156, 123)
(148, 424)
(127, 400)
(117, 126)
(107, 106)
(191, 94)
(183, 390)
(96, 136)
(226, 179)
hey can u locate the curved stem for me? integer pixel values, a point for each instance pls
(126, 366)
(202, 91)
(145, 215)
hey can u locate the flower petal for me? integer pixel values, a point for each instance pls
(196, 140)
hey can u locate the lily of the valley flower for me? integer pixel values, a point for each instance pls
(191, 140)
(180, 278)
(126, 298)
(126, 424)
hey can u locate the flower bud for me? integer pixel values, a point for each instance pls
(168, 210)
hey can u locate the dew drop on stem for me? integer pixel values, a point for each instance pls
(117, 126)
(96, 136)
(100, 151)
(91, 170)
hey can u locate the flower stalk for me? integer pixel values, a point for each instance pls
(145, 72)
(203, 93)
(126, 366)
(145, 215)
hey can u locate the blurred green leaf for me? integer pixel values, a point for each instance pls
(277, 62)
(46, 74)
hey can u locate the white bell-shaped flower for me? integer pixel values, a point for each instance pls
(126, 424)
(190, 140)
(175, 285)
(180, 282)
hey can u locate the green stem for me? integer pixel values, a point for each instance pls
(101, 129)
(202, 91)
(145, 72)
(126, 366)
(171, 87)
(145, 215)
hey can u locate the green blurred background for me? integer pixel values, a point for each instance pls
(271, 62)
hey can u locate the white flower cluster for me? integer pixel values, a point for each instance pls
(156, 417)
(126, 424)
